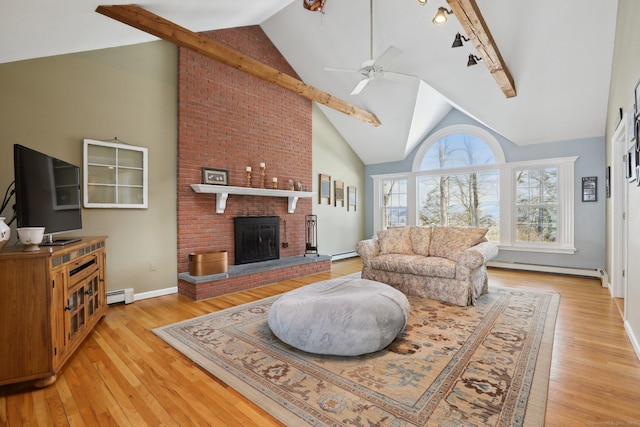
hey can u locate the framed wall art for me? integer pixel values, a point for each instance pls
(324, 188)
(351, 198)
(590, 189)
(338, 193)
(214, 176)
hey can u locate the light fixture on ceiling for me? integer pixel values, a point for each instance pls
(422, 2)
(457, 42)
(441, 16)
(473, 60)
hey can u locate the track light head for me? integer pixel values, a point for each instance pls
(473, 60)
(441, 16)
(457, 42)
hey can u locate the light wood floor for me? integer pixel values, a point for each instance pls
(123, 375)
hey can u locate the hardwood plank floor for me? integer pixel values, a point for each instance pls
(123, 375)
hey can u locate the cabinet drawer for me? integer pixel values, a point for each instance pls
(82, 268)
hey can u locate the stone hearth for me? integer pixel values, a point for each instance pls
(247, 276)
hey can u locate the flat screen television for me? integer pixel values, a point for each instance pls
(47, 194)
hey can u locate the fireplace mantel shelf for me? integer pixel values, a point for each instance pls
(222, 193)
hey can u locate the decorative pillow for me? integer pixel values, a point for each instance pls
(420, 240)
(395, 241)
(449, 242)
(476, 231)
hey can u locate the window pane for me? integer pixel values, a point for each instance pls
(457, 150)
(537, 205)
(463, 200)
(394, 202)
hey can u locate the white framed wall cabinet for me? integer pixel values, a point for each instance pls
(115, 175)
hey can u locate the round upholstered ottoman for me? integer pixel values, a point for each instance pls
(342, 317)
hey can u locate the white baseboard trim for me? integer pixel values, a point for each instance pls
(632, 337)
(157, 293)
(343, 255)
(588, 272)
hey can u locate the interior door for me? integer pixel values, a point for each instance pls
(619, 189)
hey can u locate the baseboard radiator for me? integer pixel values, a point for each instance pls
(343, 255)
(120, 296)
(598, 273)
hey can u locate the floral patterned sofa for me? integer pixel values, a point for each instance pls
(443, 263)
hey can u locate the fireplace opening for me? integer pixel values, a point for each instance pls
(256, 238)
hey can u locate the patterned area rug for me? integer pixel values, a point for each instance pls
(483, 365)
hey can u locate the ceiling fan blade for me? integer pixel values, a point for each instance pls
(387, 56)
(341, 70)
(392, 75)
(360, 86)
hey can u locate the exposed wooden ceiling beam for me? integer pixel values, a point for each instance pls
(151, 23)
(472, 22)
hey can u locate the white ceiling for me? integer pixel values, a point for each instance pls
(558, 52)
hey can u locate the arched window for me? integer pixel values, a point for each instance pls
(459, 183)
(462, 145)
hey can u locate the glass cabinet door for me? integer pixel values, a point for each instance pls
(115, 175)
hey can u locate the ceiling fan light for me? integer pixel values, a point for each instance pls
(457, 42)
(473, 60)
(441, 16)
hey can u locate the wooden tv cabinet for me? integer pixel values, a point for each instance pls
(49, 302)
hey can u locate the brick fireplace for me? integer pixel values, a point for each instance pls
(229, 120)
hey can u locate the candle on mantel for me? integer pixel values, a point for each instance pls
(262, 165)
(248, 169)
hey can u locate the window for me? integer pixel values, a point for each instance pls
(115, 175)
(460, 178)
(394, 202)
(465, 190)
(537, 205)
(463, 200)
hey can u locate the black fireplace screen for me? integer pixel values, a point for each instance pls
(257, 238)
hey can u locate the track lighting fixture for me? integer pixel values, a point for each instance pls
(441, 16)
(457, 42)
(473, 60)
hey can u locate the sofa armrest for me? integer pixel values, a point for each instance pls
(478, 255)
(368, 249)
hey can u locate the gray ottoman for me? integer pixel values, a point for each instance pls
(342, 317)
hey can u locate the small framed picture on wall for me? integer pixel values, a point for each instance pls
(215, 176)
(324, 188)
(338, 193)
(590, 189)
(351, 198)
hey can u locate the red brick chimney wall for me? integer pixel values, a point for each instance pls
(229, 119)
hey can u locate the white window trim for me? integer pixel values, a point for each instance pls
(566, 200)
(377, 199)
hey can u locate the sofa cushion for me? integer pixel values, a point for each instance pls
(420, 240)
(395, 241)
(415, 264)
(448, 242)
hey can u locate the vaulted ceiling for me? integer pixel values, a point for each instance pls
(558, 53)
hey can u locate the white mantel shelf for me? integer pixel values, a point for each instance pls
(222, 193)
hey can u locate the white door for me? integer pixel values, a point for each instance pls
(619, 189)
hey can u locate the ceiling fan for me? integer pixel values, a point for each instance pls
(375, 69)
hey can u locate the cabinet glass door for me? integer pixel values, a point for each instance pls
(115, 175)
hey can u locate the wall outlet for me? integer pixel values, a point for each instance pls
(153, 266)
